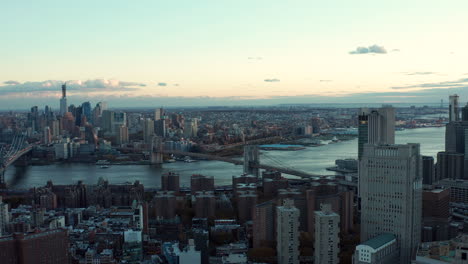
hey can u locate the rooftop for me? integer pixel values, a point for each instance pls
(379, 241)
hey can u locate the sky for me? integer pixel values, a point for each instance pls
(211, 52)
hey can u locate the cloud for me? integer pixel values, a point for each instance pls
(271, 80)
(371, 49)
(53, 86)
(395, 50)
(162, 84)
(11, 82)
(419, 73)
(460, 83)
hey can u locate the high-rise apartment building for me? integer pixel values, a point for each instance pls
(63, 100)
(390, 187)
(327, 229)
(32, 248)
(122, 135)
(148, 130)
(47, 135)
(201, 183)
(264, 224)
(4, 216)
(287, 233)
(170, 182)
(454, 114)
(111, 121)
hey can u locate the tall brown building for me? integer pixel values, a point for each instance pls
(341, 201)
(205, 204)
(264, 224)
(170, 182)
(246, 201)
(201, 183)
(35, 248)
(436, 214)
(165, 205)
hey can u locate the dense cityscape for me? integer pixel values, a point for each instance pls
(233, 132)
(389, 204)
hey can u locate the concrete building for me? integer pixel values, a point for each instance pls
(160, 127)
(382, 249)
(205, 204)
(122, 135)
(170, 182)
(287, 233)
(201, 183)
(390, 188)
(246, 201)
(111, 121)
(264, 224)
(454, 112)
(132, 247)
(428, 170)
(450, 165)
(458, 190)
(47, 135)
(436, 214)
(327, 229)
(148, 130)
(4, 217)
(191, 128)
(165, 204)
(158, 114)
(376, 127)
(35, 248)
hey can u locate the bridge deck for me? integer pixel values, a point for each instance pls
(240, 162)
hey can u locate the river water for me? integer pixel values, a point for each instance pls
(311, 159)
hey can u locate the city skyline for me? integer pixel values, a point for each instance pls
(242, 53)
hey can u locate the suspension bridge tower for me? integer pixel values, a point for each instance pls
(156, 151)
(251, 160)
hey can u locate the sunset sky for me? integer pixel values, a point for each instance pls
(232, 51)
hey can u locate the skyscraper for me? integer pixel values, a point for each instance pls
(287, 233)
(382, 126)
(63, 100)
(327, 227)
(86, 111)
(454, 114)
(264, 224)
(363, 130)
(390, 187)
(148, 130)
(376, 127)
(158, 114)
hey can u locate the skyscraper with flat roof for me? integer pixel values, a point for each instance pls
(327, 228)
(454, 114)
(287, 233)
(376, 127)
(390, 187)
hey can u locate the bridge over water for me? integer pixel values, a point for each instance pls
(251, 162)
(11, 153)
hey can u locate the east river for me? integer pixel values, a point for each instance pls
(311, 159)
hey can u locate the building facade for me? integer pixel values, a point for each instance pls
(287, 233)
(390, 187)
